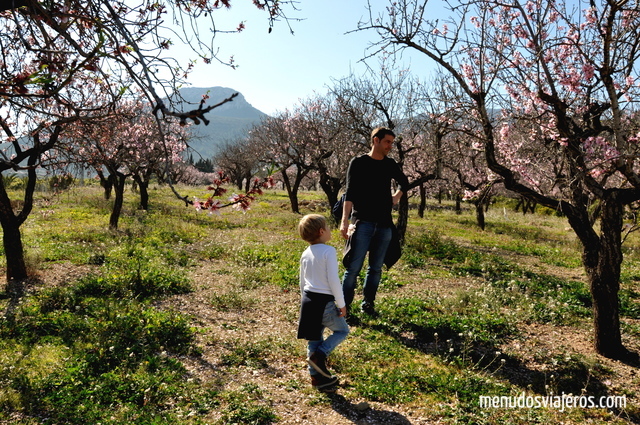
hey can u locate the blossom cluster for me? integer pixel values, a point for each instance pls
(240, 202)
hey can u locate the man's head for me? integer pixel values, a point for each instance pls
(380, 133)
(381, 142)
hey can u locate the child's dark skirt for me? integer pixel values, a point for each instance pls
(312, 309)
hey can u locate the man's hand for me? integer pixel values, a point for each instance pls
(344, 228)
(347, 207)
(396, 197)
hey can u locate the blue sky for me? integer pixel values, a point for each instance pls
(276, 70)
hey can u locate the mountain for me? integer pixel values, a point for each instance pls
(227, 122)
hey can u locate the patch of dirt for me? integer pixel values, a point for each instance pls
(55, 274)
(273, 317)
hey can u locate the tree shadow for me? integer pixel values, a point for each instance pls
(364, 415)
(15, 290)
(354, 412)
(562, 375)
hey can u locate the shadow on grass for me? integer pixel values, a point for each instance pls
(363, 414)
(559, 375)
(14, 291)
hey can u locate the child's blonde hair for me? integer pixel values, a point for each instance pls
(310, 226)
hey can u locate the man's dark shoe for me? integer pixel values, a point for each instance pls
(324, 384)
(368, 308)
(318, 361)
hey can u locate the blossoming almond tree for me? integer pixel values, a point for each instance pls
(567, 76)
(150, 154)
(240, 161)
(290, 145)
(125, 144)
(56, 56)
(323, 126)
(464, 167)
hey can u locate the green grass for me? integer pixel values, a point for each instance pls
(232, 301)
(248, 406)
(247, 353)
(106, 348)
(261, 263)
(546, 298)
(85, 358)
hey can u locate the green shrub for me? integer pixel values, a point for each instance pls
(138, 272)
(108, 358)
(61, 182)
(431, 244)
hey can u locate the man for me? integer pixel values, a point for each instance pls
(368, 203)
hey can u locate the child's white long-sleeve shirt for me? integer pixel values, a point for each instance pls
(319, 272)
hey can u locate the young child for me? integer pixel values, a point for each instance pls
(322, 304)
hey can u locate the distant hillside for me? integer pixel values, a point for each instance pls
(228, 122)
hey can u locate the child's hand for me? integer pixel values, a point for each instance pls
(342, 312)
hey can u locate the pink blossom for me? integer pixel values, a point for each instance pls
(470, 195)
(589, 71)
(504, 132)
(590, 15)
(214, 207)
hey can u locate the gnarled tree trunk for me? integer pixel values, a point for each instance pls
(119, 181)
(331, 187)
(423, 201)
(293, 187)
(602, 263)
(14, 252)
(479, 206)
(11, 222)
(143, 187)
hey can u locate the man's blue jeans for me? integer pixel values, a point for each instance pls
(339, 327)
(374, 239)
